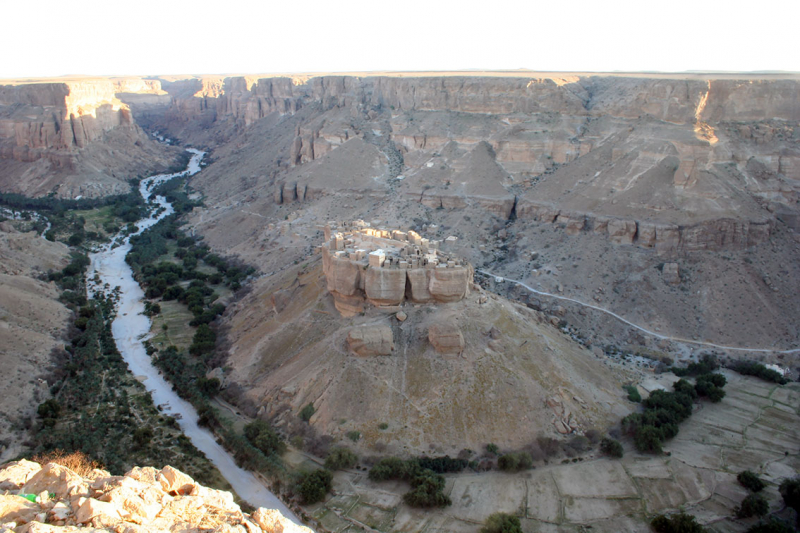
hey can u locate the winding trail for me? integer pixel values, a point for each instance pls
(636, 326)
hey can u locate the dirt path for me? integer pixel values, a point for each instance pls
(636, 326)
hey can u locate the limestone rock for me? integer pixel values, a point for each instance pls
(173, 480)
(446, 338)
(271, 521)
(450, 284)
(371, 340)
(57, 479)
(401, 316)
(385, 286)
(671, 274)
(621, 231)
(14, 475)
(100, 514)
(17, 509)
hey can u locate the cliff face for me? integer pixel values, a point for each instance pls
(74, 137)
(675, 164)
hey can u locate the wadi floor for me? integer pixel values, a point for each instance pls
(755, 427)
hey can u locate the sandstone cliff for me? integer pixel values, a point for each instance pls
(681, 164)
(74, 138)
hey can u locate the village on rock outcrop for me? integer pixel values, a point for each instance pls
(385, 267)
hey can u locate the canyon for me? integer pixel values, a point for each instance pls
(670, 199)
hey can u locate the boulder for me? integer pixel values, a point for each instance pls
(100, 514)
(14, 475)
(371, 340)
(147, 474)
(57, 479)
(446, 338)
(174, 481)
(17, 509)
(670, 273)
(401, 316)
(272, 521)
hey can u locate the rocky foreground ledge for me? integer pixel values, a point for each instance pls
(144, 500)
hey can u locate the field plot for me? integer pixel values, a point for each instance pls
(755, 427)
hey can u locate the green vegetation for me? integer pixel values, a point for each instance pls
(752, 368)
(677, 523)
(633, 393)
(262, 436)
(708, 363)
(663, 410)
(514, 462)
(611, 447)
(313, 486)
(750, 481)
(773, 525)
(340, 458)
(752, 505)
(492, 448)
(307, 412)
(790, 491)
(354, 435)
(502, 523)
(424, 475)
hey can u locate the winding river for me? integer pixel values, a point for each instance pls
(131, 326)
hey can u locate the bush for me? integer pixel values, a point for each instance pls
(492, 448)
(774, 525)
(262, 436)
(677, 523)
(708, 363)
(313, 486)
(751, 368)
(790, 491)
(340, 458)
(307, 412)
(752, 505)
(353, 435)
(78, 462)
(633, 393)
(750, 481)
(502, 523)
(611, 447)
(427, 490)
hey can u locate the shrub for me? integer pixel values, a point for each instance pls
(508, 462)
(750, 481)
(307, 412)
(677, 523)
(353, 435)
(708, 363)
(752, 505)
(383, 425)
(790, 491)
(427, 490)
(633, 393)
(774, 525)
(262, 436)
(492, 448)
(502, 523)
(313, 486)
(751, 368)
(78, 462)
(340, 458)
(611, 447)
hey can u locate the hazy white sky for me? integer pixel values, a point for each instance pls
(108, 37)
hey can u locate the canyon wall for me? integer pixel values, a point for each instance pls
(75, 137)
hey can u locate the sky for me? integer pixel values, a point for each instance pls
(158, 37)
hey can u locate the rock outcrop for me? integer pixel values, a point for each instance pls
(144, 499)
(371, 340)
(446, 338)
